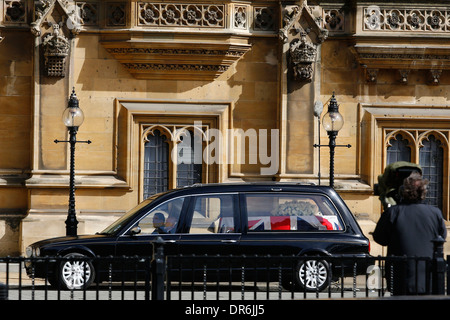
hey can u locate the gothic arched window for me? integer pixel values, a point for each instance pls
(398, 150)
(156, 164)
(431, 157)
(173, 157)
(189, 166)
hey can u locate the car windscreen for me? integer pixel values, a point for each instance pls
(118, 224)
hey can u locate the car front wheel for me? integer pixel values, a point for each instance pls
(313, 275)
(75, 272)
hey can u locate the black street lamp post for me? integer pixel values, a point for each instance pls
(73, 117)
(332, 122)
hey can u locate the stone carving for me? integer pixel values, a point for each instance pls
(240, 17)
(264, 18)
(55, 44)
(15, 11)
(176, 51)
(56, 49)
(334, 20)
(403, 60)
(435, 75)
(174, 14)
(388, 18)
(88, 13)
(153, 14)
(187, 60)
(116, 14)
(302, 55)
(404, 73)
(302, 31)
(174, 67)
(43, 8)
(371, 75)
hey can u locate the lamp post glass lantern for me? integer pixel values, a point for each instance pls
(332, 122)
(73, 118)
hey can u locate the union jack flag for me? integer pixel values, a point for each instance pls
(306, 223)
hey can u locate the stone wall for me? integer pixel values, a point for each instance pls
(233, 68)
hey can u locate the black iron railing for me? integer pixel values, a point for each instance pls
(216, 277)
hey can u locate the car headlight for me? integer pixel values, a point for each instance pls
(32, 251)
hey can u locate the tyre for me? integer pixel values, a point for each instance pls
(313, 275)
(75, 273)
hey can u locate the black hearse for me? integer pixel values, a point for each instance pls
(217, 219)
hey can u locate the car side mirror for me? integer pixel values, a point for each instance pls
(135, 230)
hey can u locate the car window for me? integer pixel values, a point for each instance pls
(122, 221)
(163, 219)
(213, 214)
(291, 212)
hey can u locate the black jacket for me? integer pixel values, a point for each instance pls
(409, 229)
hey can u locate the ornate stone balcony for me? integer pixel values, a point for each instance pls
(186, 40)
(152, 40)
(403, 37)
(193, 58)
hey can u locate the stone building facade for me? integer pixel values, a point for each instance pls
(175, 92)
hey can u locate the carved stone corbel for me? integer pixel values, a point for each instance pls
(302, 32)
(435, 76)
(56, 49)
(404, 73)
(371, 75)
(54, 21)
(302, 55)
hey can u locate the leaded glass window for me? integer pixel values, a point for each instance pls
(425, 143)
(432, 161)
(156, 164)
(398, 150)
(189, 166)
(173, 157)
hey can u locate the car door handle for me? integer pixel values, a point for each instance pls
(228, 241)
(170, 241)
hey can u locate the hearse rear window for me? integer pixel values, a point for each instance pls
(291, 212)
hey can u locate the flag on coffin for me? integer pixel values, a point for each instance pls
(305, 223)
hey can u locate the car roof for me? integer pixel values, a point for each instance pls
(251, 186)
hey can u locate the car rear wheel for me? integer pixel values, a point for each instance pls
(75, 272)
(313, 275)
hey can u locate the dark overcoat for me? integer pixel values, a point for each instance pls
(408, 229)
